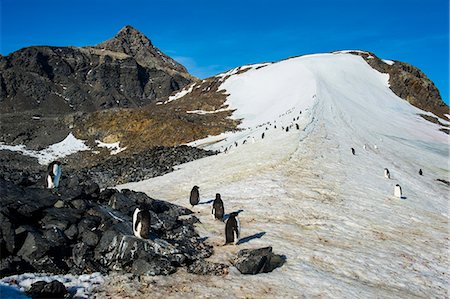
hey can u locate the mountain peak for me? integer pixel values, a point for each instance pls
(130, 35)
(132, 42)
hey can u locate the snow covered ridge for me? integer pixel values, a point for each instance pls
(80, 286)
(68, 146)
(331, 212)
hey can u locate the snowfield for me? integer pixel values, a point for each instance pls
(66, 147)
(300, 189)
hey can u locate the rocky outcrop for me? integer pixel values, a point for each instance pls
(81, 230)
(126, 71)
(43, 289)
(105, 172)
(409, 83)
(261, 260)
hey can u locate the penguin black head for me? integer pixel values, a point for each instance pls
(218, 196)
(196, 187)
(233, 214)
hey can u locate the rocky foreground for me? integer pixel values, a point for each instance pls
(80, 229)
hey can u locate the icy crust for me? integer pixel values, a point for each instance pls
(80, 287)
(333, 214)
(68, 146)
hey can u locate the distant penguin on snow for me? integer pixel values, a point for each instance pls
(217, 208)
(353, 151)
(141, 222)
(262, 135)
(387, 174)
(53, 175)
(398, 191)
(194, 199)
(232, 229)
(420, 172)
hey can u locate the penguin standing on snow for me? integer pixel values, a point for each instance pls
(262, 135)
(297, 126)
(353, 151)
(387, 174)
(398, 191)
(53, 175)
(232, 229)
(194, 199)
(217, 208)
(141, 222)
(420, 171)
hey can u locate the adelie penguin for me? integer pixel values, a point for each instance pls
(141, 222)
(53, 175)
(387, 174)
(420, 171)
(232, 229)
(353, 151)
(194, 198)
(398, 191)
(217, 208)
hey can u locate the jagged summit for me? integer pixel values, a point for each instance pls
(134, 43)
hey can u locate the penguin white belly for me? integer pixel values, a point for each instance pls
(136, 229)
(398, 192)
(50, 184)
(137, 233)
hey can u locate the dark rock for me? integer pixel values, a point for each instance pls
(261, 260)
(55, 236)
(43, 289)
(13, 265)
(202, 267)
(61, 218)
(79, 204)
(7, 236)
(157, 266)
(72, 232)
(34, 247)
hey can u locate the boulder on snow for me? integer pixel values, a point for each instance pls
(261, 260)
(43, 289)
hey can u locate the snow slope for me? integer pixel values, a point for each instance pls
(333, 214)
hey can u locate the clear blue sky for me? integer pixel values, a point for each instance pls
(211, 36)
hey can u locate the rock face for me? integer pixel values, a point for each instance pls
(126, 71)
(81, 229)
(261, 260)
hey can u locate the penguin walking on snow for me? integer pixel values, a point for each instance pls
(387, 174)
(420, 171)
(232, 229)
(53, 175)
(217, 208)
(194, 199)
(141, 222)
(353, 151)
(398, 191)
